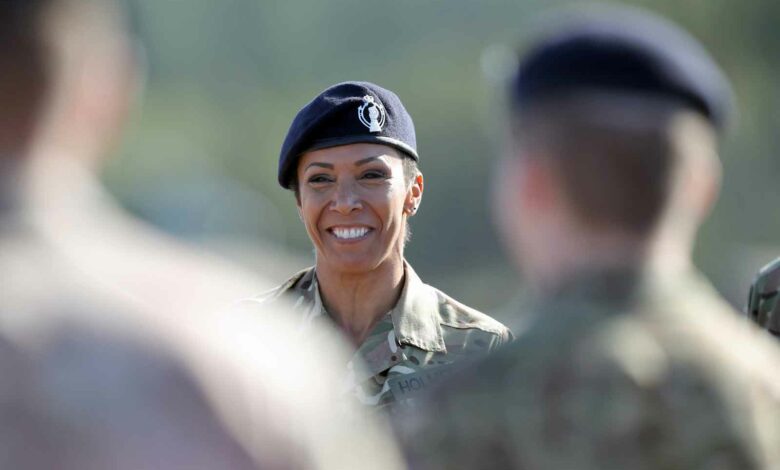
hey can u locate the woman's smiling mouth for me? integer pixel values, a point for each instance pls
(354, 233)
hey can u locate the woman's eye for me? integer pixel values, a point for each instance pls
(319, 179)
(374, 174)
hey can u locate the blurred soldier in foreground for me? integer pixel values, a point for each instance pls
(90, 384)
(86, 80)
(108, 356)
(632, 360)
(763, 307)
(86, 398)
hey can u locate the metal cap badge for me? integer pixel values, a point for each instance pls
(376, 114)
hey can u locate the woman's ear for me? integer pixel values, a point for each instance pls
(414, 195)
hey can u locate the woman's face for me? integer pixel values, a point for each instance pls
(354, 201)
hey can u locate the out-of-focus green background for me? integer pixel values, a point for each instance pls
(226, 77)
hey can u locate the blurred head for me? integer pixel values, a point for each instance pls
(593, 165)
(616, 156)
(92, 62)
(23, 76)
(68, 77)
(355, 201)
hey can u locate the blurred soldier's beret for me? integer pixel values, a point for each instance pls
(622, 49)
(347, 113)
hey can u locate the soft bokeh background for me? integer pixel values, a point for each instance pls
(226, 77)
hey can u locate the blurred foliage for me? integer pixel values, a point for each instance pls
(226, 77)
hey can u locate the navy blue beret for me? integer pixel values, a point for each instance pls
(627, 50)
(347, 113)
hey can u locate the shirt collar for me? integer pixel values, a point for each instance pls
(415, 316)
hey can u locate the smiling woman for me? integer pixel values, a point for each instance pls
(350, 157)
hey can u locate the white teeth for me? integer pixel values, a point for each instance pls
(348, 233)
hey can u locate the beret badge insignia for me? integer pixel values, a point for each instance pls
(372, 114)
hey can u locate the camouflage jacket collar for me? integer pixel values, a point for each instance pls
(614, 285)
(415, 316)
(622, 289)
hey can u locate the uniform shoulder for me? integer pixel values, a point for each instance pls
(288, 286)
(457, 315)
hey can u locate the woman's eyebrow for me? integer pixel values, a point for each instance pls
(367, 159)
(323, 165)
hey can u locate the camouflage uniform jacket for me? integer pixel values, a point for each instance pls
(410, 347)
(613, 374)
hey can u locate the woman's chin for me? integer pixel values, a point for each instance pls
(353, 263)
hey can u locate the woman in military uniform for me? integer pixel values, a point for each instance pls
(350, 158)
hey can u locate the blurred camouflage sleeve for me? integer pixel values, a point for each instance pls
(762, 305)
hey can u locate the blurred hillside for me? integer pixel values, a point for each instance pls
(226, 77)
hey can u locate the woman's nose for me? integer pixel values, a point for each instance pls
(345, 199)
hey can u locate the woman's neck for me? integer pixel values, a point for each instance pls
(358, 301)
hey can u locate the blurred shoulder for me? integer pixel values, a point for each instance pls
(693, 327)
(458, 319)
(529, 387)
